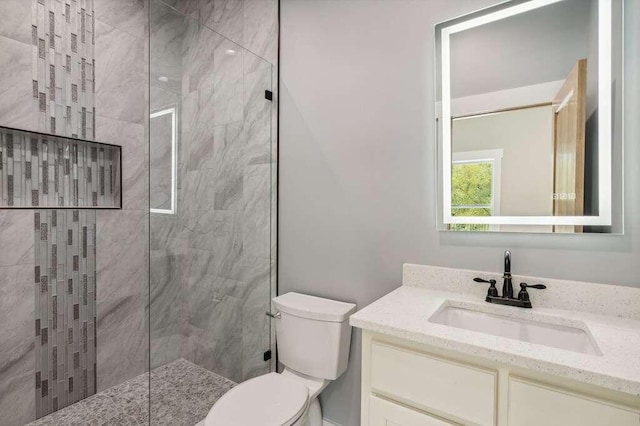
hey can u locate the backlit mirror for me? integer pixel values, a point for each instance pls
(163, 161)
(529, 100)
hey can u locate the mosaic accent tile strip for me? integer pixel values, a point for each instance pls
(65, 294)
(63, 67)
(53, 172)
(64, 173)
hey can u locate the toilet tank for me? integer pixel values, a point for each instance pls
(313, 334)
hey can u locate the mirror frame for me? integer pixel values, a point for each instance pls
(605, 139)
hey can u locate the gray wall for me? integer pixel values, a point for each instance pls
(357, 178)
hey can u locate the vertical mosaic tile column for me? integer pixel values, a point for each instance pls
(65, 324)
(63, 77)
(63, 67)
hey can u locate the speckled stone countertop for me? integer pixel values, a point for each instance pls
(610, 314)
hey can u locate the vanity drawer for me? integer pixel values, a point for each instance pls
(445, 388)
(386, 413)
(533, 404)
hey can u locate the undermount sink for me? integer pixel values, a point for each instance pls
(541, 333)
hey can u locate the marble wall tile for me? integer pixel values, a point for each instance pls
(229, 146)
(120, 75)
(256, 327)
(256, 214)
(190, 8)
(16, 237)
(253, 62)
(255, 272)
(122, 237)
(199, 45)
(225, 17)
(160, 197)
(126, 15)
(219, 346)
(228, 245)
(201, 266)
(258, 115)
(15, 83)
(163, 98)
(198, 100)
(167, 33)
(261, 28)
(247, 272)
(202, 237)
(122, 340)
(197, 147)
(16, 20)
(228, 61)
(196, 138)
(166, 347)
(135, 157)
(169, 269)
(167, 231)
(17, 403)
(122, 268)
(252, 24)
(206, 289)
(196, 198)
(17, 344)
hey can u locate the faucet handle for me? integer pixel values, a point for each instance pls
(492, 291)
(538, 286)
(524, 295)
(481, 280)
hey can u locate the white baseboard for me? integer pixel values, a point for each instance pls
(326, 422)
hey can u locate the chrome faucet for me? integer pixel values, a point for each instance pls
(507, 298)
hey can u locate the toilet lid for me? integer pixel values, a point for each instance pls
(269, 400)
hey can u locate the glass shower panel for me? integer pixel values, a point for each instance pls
(210, 221)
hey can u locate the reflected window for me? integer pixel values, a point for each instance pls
(475, 185)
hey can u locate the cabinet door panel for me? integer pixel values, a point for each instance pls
(533, 404)
(446, 388)
(386, 413)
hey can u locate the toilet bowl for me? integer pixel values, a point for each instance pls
(313, 336)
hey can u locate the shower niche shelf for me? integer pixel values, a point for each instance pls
(42, 171)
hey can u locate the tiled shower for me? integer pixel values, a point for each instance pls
(138, 167)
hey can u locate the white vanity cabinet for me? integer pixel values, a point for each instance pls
(410, 384)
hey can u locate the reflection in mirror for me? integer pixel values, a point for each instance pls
(529, 89)
(162, 157)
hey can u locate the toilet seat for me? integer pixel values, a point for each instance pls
(269, 400)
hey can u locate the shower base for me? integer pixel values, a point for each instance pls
(181, 394)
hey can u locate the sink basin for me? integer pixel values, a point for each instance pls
(541, 333)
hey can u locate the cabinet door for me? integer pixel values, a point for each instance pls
(386, 413)
(533, 404)
(447, 388)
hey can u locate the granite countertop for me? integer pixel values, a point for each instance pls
(404, 313)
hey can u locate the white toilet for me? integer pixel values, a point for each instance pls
(313, 336)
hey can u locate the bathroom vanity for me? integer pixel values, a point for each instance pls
(435, 353)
